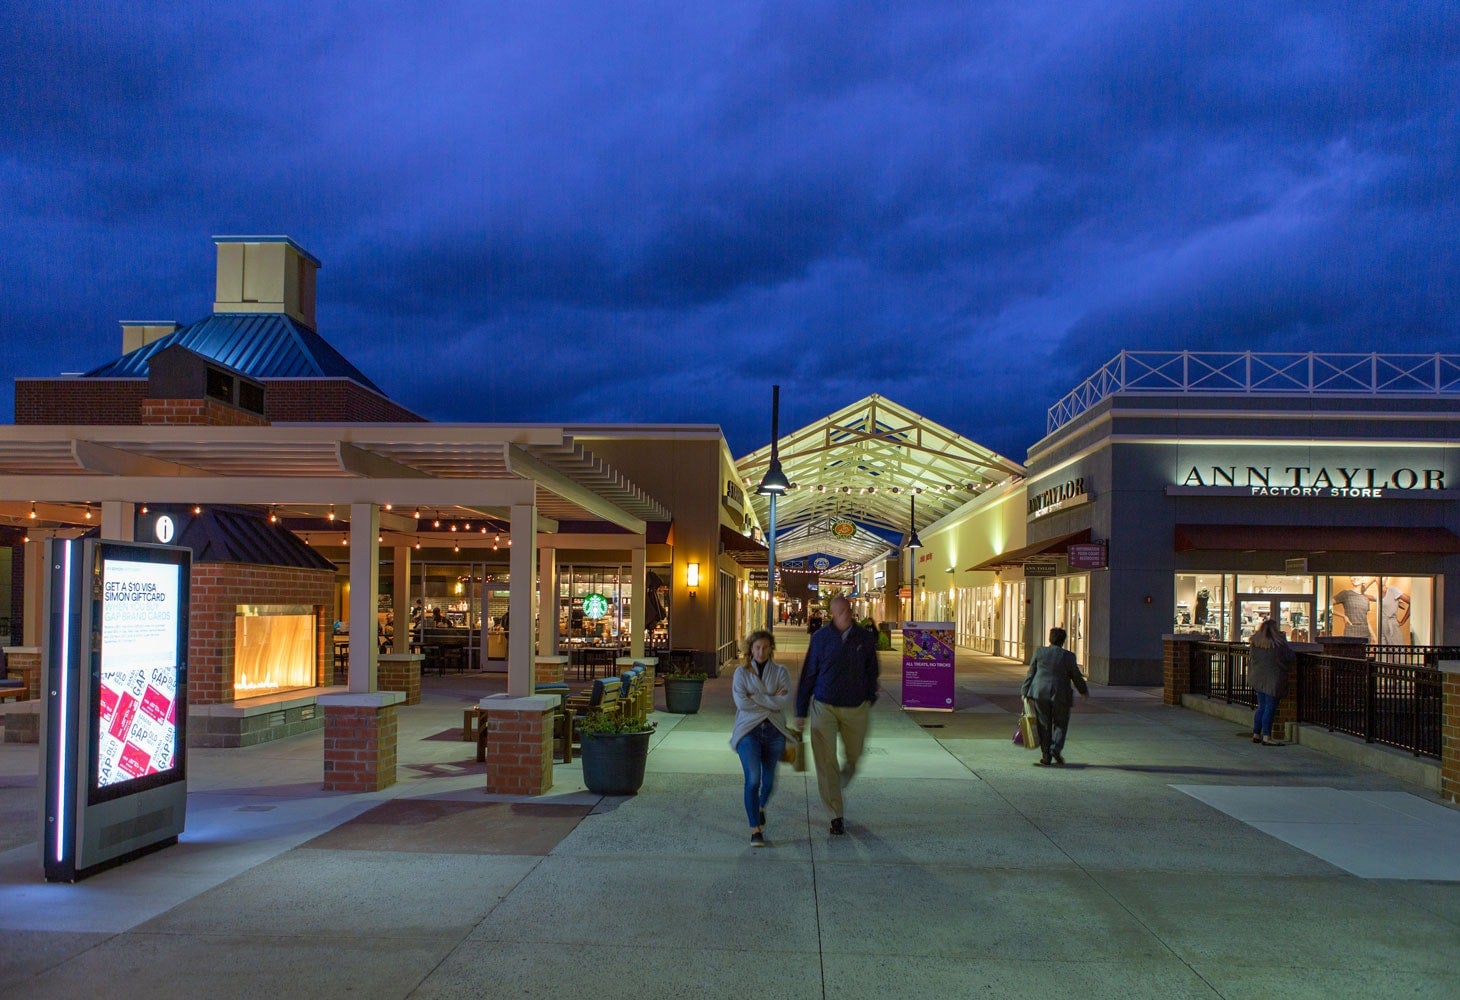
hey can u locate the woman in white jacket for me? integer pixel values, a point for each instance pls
(762, 690)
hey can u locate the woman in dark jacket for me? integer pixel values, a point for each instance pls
(1052, 671)
(1270, 660)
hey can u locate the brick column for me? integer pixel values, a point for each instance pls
(519, 744)
(22, 727)
(401, 672)
(1450, 733)
(25, 661)
(1177, 653)
(549, 669)
(359, 740)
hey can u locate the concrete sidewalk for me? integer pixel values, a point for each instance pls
(1171, 857)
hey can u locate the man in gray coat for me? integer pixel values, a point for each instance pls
(1052, 672)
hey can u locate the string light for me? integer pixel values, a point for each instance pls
(88, 513)
(418, 513)
(345, 540)
(390, 506)
(144, 508)
(32, 510)
(418, 546)
(331, 514)
(437, 523)
(197, 509)
(273, 516)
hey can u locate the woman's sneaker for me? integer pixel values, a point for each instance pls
(757, 839)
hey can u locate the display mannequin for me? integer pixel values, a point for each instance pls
(1351, 609)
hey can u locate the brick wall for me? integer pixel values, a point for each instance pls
(79, 400)
(359, 748)
(201, 412)
(400, 672)
(28, 666)
(1450, 740)
(218, 589)
(519, 751)
(120, 401)
(1178, 651)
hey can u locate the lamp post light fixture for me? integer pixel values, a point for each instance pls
(913, 544)
(773, 484)
(692, 578)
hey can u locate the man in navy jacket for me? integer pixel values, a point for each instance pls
(837, 688)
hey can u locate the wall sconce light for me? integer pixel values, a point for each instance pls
(692, 577)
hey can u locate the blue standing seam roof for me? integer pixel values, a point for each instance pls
(260, 345)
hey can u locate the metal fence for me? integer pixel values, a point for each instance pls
(1394, 698)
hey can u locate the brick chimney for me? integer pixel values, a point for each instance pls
(265, 274)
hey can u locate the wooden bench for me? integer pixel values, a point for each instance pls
(16, 691)
(474, 728)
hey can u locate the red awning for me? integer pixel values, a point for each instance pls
(1311, 539)
(1050, 546)
(742, 548)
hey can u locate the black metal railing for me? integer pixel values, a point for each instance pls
(1221, 673)
(1398, 705)
(1395, 697)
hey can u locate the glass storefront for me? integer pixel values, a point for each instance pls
(990, 618)
(1066, 606)
(595, 604)
(1386, 610)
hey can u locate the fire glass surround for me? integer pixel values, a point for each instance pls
(274, 649)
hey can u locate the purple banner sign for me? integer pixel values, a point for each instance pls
(927, 665)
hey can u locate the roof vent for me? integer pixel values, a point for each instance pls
(265, 274)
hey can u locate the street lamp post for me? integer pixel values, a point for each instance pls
(773, 484)
(913, 544)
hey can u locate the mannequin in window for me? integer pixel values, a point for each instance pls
(1351, 609)
(1394, 617)
(1202, 597)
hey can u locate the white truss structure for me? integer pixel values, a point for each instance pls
(864, 464)
(1257, 373)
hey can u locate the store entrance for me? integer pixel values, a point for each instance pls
(1075, 626)
(1292, 612)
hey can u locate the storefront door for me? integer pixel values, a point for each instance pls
(1075, 626)
(1292, 612)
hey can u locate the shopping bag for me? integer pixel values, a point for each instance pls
(1028, 728)
(794, 753)
(1018, 736)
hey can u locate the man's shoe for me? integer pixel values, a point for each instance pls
(1042, 762)
(1058, 759)
(838, 827)
(757, 839)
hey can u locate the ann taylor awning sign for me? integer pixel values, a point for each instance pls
(1336, 481)
(1068, 494)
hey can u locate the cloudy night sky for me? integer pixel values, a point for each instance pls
(642, 211)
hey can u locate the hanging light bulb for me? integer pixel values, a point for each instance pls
(306, 538)
(453, 527)
(331, 514)
(484, 529)
(390, 506)
(418, 513)
(456, 548)
(497, 541)
(144, 508)
(379, 539)
(273, 516)
(197, 508)
(418, 546)
(494, 545)
(32, 510)
(345, 540)
(88, 513)
(437, 523)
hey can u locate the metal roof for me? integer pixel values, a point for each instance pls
(260, 345)
(866, 464)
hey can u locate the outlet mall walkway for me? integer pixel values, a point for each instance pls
(1170, 858)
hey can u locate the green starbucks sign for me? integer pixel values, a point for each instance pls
(595, 606)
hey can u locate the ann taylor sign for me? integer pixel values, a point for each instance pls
(1066, 494)
(1365, 482)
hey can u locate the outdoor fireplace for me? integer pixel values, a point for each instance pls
(274, 649)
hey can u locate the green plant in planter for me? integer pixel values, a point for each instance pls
(614, 751)
(601, 722)
(683, 692)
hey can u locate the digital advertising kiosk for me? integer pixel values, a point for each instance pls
(115, 646)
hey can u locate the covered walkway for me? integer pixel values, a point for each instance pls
(1171, 858)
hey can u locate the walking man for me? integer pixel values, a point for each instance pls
(837, 688)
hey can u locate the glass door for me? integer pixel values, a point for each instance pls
(1292, 612)
(1075, 626)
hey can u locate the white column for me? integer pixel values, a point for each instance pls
(548, 601)
(523, 566)
(364, 596)
(119, 521)
(639, 558)
(401, 598)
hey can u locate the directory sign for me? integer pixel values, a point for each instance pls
(136, 693)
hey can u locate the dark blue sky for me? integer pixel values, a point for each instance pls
(653, 211)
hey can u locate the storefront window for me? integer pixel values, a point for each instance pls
(1390, 611)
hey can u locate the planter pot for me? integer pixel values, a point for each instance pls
(613, 763)
(682, 694)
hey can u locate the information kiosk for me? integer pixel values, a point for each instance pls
(114, 775)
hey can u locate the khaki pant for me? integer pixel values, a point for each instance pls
(826, 722)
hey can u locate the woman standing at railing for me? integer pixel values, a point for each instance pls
(1270, 661)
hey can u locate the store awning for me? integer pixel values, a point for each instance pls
(1312, 539)
(1049, 546)
(742, 548)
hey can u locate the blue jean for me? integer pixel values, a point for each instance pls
(760, 752)
(1262, 716)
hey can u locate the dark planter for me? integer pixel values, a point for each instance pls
(682, 694)
(613, 763)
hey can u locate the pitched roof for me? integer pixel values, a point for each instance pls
(260, 345)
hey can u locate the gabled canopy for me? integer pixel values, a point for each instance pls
(864, 465)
